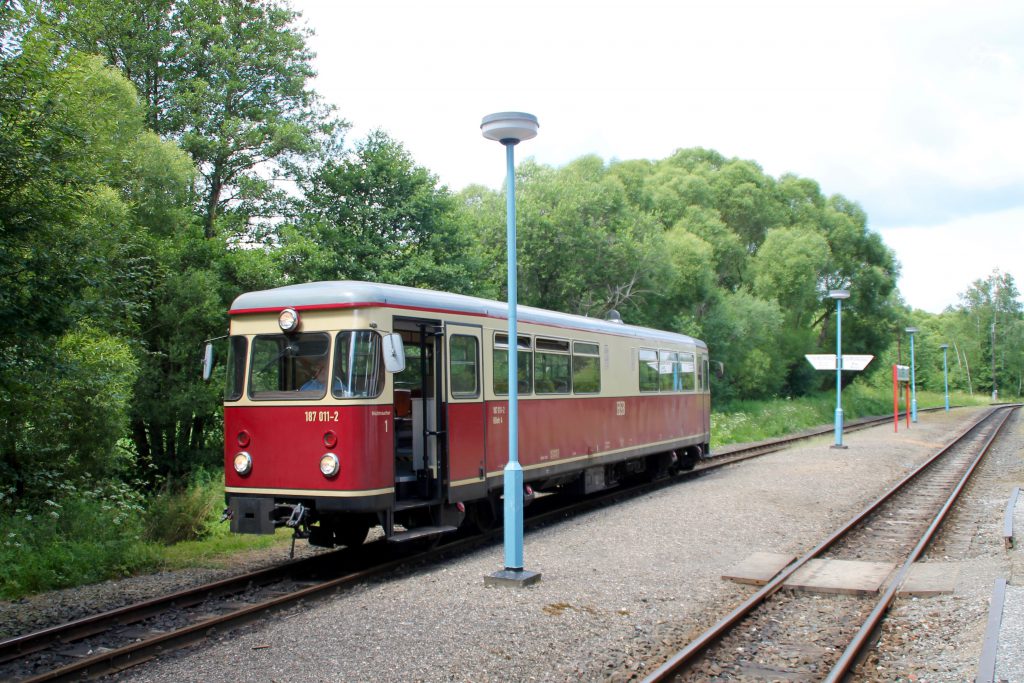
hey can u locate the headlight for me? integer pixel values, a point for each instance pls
(329, 465)
(243, 463)
(288, 320)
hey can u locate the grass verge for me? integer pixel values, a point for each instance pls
(748, 421)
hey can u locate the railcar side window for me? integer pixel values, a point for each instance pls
(668, 371)
(237, 350)
(707, 375)
(288, 366)
(586, 368)
(358, 365)
(524, 357)
(648, 370)
(462, 356)
(686, 372)
(551, 367)
(700, 374)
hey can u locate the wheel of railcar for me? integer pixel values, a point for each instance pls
(351, 531)
(482, 516)
(689, 459)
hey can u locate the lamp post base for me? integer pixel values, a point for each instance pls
(512, 578)
(839, 445)
(839, 429)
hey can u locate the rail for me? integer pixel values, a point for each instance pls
(687, 656)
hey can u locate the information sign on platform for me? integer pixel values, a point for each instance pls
(855, 363)
(827, 361)
(821, 361)
(903, 373)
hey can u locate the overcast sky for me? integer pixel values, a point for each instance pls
(915, 110)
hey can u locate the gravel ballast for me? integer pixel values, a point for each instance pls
(622, 588)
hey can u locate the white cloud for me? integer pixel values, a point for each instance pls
(942, 261)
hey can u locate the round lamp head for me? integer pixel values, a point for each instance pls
(911, 330)
(839, 294)
(943, 346)
(509, 126)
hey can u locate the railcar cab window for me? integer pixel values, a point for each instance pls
(358, 365)
(552, 374)
(238, 347)
(524, 357)
(586, 368)
(283, 364)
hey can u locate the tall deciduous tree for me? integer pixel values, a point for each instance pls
(82, 180)
(992, 322)
(229, 80)
(372, 214)
(583, 248)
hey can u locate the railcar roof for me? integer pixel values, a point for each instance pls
(352, 294)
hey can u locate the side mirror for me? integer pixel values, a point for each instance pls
(208, 361)
(394, 352)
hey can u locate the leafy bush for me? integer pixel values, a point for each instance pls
(185, 513)
(87, 531)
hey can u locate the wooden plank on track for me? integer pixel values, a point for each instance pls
(840, 576)
(758, 568)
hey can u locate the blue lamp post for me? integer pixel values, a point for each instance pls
(945, 372)
(839, 295)
(913, 380)
(510, 128)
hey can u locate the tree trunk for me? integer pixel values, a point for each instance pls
(216, 187)
(198, 427)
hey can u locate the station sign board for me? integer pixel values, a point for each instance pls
(855, 362)
(821, 361)
(903, 373)
(827, 361)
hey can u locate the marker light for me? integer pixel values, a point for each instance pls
(330, 439)
(288, 320)
(243, 463)
(329, 465)
(244, 439)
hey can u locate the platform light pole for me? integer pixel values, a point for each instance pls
(913, 380)
(945, 372)
(510, 128)
(839, 295)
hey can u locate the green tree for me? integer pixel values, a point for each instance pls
(742, 332)
(372, 214)
(992, 326)
(81, 179)
(227, 79)
(582, 247)
(788, 267)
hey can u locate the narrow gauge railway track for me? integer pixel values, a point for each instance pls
(124, 637)
(802, 636)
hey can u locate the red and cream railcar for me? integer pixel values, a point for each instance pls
(320, 436)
